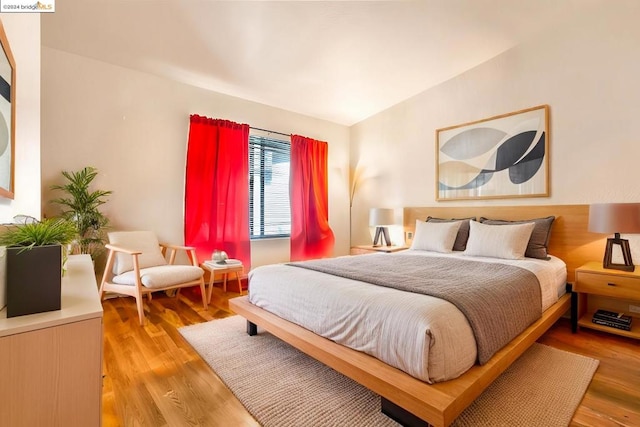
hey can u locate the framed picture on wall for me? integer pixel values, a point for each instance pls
(504, 156)
(7, 116)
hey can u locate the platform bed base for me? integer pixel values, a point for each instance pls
(400, 415)
(435, 404)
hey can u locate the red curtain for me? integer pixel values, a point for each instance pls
(217, 189)
(311, 236)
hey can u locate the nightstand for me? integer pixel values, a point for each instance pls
(223, 270)
(600, 288)
(367, 249)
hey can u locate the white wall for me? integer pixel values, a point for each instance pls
(23, 33)
(133, 127)
(586, 72)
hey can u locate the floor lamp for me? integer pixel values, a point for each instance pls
(381, 219)
(615, 218)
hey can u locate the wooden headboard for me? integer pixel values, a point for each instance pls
(570, 240)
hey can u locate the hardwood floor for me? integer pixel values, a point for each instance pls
(613, 397)
(152, 377)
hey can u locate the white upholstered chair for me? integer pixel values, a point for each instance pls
(137, 265)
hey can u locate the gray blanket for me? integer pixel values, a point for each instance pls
(500, 301)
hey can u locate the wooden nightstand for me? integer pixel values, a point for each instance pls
(367, 249)
(600, 288)
(224, 271)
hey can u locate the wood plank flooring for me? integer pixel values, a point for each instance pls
(152, 377)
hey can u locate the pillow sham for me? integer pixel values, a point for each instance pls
(434, 236)
(539, 242)
(463, 232)
(498, 241)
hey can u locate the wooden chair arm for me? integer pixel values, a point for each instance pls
(108, 271)
(177, 247)
(173, 249)
(121, 249)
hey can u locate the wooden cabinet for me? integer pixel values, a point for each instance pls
(51, 363)
(367, 249)
(614, 290)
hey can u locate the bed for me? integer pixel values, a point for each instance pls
(438, 393)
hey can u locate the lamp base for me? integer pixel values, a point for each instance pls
(626, 254)
(382, 235)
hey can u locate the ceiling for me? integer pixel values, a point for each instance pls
(341, 61)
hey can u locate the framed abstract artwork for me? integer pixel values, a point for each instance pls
(7, 116)
(504, 156)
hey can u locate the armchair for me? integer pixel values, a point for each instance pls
(137, 266)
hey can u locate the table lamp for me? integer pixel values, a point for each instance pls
(381, 218)
(615, 218)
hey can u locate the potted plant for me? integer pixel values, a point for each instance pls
(81, 206)
(34, 264)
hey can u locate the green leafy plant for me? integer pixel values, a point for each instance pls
(53, 231)
(81, 206)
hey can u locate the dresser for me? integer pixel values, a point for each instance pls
(51, 363)
(613, 290)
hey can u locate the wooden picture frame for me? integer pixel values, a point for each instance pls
(501, 157)
(7, 117)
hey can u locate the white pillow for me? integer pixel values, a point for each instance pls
(498, 241)
(435, 236)
(143, 241)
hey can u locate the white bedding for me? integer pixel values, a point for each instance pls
(426, 337)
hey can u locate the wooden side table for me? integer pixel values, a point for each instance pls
(223, 270)
(367, 249)
(608, 289)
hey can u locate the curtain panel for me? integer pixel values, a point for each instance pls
(217, 189)
(311, 235)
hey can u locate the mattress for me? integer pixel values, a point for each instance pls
(424, 336)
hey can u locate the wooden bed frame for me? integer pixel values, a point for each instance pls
(439, 404)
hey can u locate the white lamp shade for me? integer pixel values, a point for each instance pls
(381, 217)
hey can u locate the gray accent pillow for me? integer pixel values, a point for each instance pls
(539, 241)
(463, 232)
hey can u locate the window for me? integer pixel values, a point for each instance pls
(269, 210)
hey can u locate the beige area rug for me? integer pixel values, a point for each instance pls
(282, 387)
